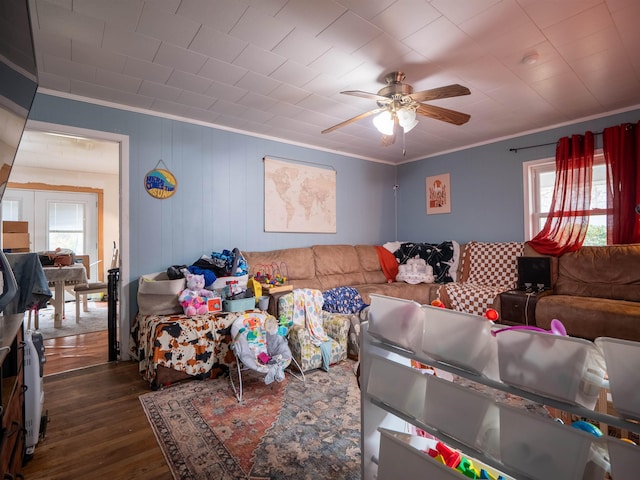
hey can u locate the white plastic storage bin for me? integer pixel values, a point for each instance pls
(565, 368)
(401, 457)
(398, 386)
(541, 448)
(463, 414)
(396, 321)
(622, 358)
(457, 338)
(625, 459)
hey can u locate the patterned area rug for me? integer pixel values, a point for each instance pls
(287, 430)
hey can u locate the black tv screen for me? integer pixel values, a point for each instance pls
(534, 273)
(18, 84)
(18, 80)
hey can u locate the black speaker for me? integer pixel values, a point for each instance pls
(534, 273)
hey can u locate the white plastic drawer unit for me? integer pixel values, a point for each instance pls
(396, 321)
(625, 458)
(470, 417)
(568, 369)
(397, 386)
(402, 458)
(622, 358)
(541, 448)
(460, 339)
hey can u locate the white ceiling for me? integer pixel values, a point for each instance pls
(275, 68)
(68, 152)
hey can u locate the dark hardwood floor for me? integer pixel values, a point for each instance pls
(75, 351)
(97, 428)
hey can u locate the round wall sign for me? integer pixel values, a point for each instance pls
(160, 183)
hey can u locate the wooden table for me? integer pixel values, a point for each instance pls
(59, 277)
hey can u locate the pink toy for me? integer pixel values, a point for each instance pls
(557, 328)
(193, 299)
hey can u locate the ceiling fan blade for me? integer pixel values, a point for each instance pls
(387, 140)
(354, 119)
(448, 91)
(370, 96)
(444, 114)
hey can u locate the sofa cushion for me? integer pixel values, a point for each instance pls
(300, 266)
(605, 272)
(370, 264)
(590, 317)
(337, 266)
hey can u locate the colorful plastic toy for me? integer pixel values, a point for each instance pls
(557, 328)
(492, 314)
(587, 427)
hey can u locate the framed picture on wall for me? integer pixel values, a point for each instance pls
(438, 194)
(299, 197)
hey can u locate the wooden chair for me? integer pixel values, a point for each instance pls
(83, 290)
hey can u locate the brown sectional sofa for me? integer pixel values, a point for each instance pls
(596, 290)
(596, 293)
(324, 267)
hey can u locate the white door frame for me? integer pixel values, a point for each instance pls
(123, 244)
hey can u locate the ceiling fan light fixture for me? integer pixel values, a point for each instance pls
(530, 58)
(384, 122)
(407, 119)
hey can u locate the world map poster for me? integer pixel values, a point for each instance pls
(298, 197)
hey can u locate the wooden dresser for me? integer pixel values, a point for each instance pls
(12, 396)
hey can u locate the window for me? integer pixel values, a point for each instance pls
(540, 177)
(57, 219)
(66, 226)
(11, 210)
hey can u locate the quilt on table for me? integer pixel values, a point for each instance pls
(188, 344)
(489, 269)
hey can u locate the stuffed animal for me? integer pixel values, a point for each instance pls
(194, 298)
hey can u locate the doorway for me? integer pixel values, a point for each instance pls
(76, 174)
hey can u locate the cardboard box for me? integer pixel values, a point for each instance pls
(15, 240)
(15, 227)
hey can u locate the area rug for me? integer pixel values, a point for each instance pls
(95, 320)
(288, 430)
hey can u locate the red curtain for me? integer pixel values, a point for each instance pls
(621, 145)
(568, 220)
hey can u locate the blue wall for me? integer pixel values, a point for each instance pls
(220, 193)
(219, 200)
(487, 201)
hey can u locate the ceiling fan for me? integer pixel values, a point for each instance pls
(398, 106)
